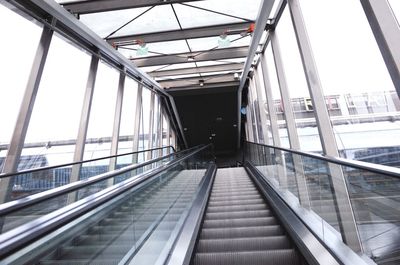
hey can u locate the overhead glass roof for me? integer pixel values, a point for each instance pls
(195, 36)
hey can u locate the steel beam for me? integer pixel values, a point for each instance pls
(387, 34)
(151, 127)
(261, 22)
(117, 123)
(84, 123)
(25, 113)
(217, 54)
(136, 123)
(342, 200)
(85, 7)
(198, 70)
(194, 81)
(190, 33)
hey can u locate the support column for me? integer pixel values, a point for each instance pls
(150, 141)
(290, 124)
(117, 122)
(386, 30)
(168, 133)
(342, 200)
(84, 124)
(25, 112)
(254, 126)
(261, 106)
(136, 123)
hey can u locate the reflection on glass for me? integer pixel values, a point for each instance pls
(297, 85)
(14, 74)
(363, 105)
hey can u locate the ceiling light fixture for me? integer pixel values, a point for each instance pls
(224, 41)
(201, 82)
(236, 76)
(142, 50)
(190, 58)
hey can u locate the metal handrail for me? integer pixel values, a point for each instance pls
(27, 171)
(13, 206)
(380, 169)
(17, 238)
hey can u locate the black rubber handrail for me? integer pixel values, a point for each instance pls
(13, 206)
(380, 169)
(19, 237)
(27, 171)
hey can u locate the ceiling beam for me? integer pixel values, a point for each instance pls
(197, 70)
(190, 33)
(195, 81)
(218, 54)
(86, 7)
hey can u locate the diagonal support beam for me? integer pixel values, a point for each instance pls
(198, 70)
(86, 7)
(191, 33)
(218, 54)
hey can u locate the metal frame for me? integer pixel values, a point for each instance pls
(18, 137)
(253, 113)
(85, 117)
(190, 33)
(327, 137)
(151, 121)
(17, 238)
(261, 21)
(386, 30)
(198, 70)
(199, 56)
(136, 123)
(195, 81)
(117, 120)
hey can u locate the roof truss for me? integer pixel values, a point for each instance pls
(195, 81)
(210, 55)
(198, 70)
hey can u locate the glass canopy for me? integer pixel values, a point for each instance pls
(205, 38)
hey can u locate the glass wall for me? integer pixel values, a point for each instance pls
(98, 141)
(127, 130)
(297, 85)
(55, 117)
(25, 37)
(363, 105)
(144, 123)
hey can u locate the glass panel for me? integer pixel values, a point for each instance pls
(276, 94)
(14, 74)
(374, 198)
(297, 84)
(98, 143)
(52, 111)
(127, 130)
(363, 105)
(395, 5)
(144, 123)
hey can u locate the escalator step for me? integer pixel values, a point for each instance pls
(268, 257)
(258, 231)
(226, 215)
(240, 222)
(243, 244)
(237, 208)
(236, 197)
(235, 202)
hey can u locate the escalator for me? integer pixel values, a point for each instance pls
(239, 226)
(184, 208)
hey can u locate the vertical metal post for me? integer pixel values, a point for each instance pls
(279, 158)
(290, 123)
(160, 129)
(150, 137)
(387, 34)
(256, 139)
(346, 215)
(117, 122)
(84, 123)
(25, 112)
(136, 123)
(265, 117)
(167, 130)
